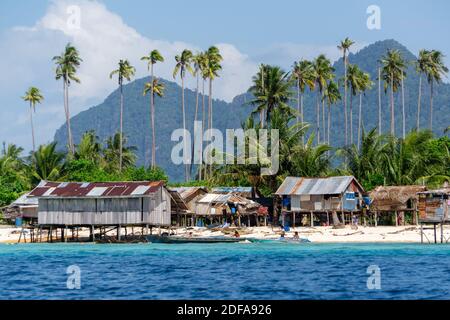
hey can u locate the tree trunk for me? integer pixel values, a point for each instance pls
(431, 105)
(211, 120)
(359, 120)
(392, 107)
(200, 177)
(329, 123)
(195, 120)
(121, 128)
(418, 102)
(379, 101)
(403, 110)
(186, 174)
(32, 126)
(152, 110)
(323, 119)
(66, 109)
(345, 99)
(351, 118)
(318, 118)
(303, 116)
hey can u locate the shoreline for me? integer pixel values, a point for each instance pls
(349, 234)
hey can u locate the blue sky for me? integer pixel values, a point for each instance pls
(248, 32)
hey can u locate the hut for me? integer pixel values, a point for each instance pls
(100, 204)
(313, 199)
(246, 192)
(398, 200)
(185, 199)
(229, 208)
(24, 209)
(434, 205)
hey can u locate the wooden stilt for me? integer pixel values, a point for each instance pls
(421, 233)
(328, 218)
(396, 218)
(376, 218)
(312, 219)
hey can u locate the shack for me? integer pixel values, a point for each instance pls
(434, 205)
(246, 192)
(22, 210)
(229, 208)
(398, 202)
(101, 204)
(185, 203)
(310, 201)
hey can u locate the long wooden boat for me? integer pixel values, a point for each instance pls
(178, 239)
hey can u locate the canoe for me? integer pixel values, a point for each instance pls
(290, 241)
(178, 239)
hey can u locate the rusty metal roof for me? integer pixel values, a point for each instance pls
(47, 189)
(315, 186)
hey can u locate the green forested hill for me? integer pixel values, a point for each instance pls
(104, 118)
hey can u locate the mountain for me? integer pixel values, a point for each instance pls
(104, 118)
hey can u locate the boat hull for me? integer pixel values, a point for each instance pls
(175, 239)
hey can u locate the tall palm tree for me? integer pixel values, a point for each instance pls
(303, 75)
(66, 67)
(125, 71)
(47, 163)
(152, 58)
(345, 48)
(89, 149)
(423, 64)
(364, 85)
(393, 67)
(117, 152)
(155, 88)
(183, 64)
(213, 66)
(203, 65)
(354, 79)
(332, 95)
(323, 72)
(379, 100)
(434, 75)
(33, 96)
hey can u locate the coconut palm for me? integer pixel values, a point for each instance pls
(213, 66)
(303, 75)
(332, 95)
(183, 64)
(47, 163)
(364, 85)
(89, 149)
(354, 80)
(125, 71)
(116, 153)
(271, 91)
(155, 88)
(345, 48)
(423, 64)
(152, 58)
(33, 96)
(323, 72)
(393, 67)
(66, 67)
(434, 74)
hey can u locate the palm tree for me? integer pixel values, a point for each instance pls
(89, 149)
(47, 163)
(379, 100)
(364, 85)
(354, 79)
(66, 66)
(153, 57)
(423, 64)
(183, 64)
(303, 74)
(345, 48)
(323, 72)
(271, 92)
(33, 95)
(213, 67)
(155, 88)
(125, 71)
(116, 152)
(392, 73)
(434, 74)
(332, 95)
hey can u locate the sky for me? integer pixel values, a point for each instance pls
(247, 33)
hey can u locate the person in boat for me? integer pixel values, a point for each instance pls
(296, 236)
(236, 234)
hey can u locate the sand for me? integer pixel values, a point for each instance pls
(349, 234)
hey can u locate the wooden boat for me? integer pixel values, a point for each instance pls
(178, 239)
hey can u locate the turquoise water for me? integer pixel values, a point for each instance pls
(224, 271)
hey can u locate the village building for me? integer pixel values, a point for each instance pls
(398, 203)
(319, 201)
(22, 210)
(186, 199)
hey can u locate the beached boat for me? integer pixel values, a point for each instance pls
(178, 239)
(290, 241)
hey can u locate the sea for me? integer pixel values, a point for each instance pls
(265, 271)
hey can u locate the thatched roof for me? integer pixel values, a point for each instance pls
(394, 197)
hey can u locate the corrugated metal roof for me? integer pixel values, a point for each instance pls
(95, 189)
(25, 200)
(232, 189)
(187, 192)
(315, 186)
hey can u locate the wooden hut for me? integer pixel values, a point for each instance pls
(231, 208)
(397, 200)
(312, 200)
(434, 205)
(185, 202)
(24, 208)
(100, 204)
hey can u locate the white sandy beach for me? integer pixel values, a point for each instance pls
(382, 234)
